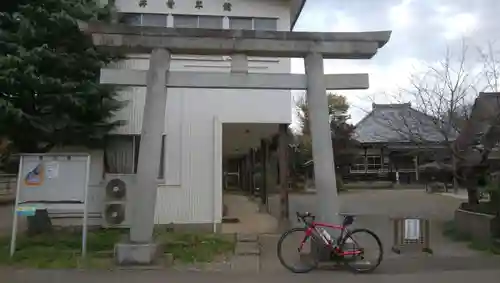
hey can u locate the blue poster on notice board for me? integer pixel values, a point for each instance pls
(35, 176)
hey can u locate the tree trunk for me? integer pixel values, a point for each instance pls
(454, 180)
(472, 194)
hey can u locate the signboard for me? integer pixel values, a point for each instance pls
(56, 181)
(412, 229)
(53, 178)
(411, 234)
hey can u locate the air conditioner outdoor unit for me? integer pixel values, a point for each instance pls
(116, 208)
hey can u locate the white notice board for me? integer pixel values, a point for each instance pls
(53, 178)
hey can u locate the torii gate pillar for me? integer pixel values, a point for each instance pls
(324, 168)
(142, 249)
(151, 138)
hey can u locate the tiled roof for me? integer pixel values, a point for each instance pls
(398, 123)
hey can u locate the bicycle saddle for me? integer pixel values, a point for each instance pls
(304, 215)
(348, 220)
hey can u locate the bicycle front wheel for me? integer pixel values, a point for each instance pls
(366, 248)
(294, 255)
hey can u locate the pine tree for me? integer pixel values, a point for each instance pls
(344, 145)
(342, 140)
(49, 76)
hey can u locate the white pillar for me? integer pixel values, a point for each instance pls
(170, 20)
(153, 126)
(225, 22)
(324, 166)
(239, 63)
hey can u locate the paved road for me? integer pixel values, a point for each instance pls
(40, 276)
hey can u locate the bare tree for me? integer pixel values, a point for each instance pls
(489, 56)
(443, 93)
(443, 96)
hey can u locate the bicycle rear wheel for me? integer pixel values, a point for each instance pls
(358, 263)
(307, 261)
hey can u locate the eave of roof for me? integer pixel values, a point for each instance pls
(296, 16)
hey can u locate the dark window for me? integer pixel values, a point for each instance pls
(210, 22)
(374, 162)
(265, 24)
(150, 20)
(122, 154)
(248, 23)
(193, 21)
(240, 23)
(154, 20)
(133, 19)
(161, 168)
(185, 21)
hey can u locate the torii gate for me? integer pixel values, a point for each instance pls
(162, 42)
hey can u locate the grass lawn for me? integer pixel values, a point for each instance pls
(62, 249)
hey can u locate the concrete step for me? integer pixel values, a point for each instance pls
(247, 253)
(247, 248)
(228, 219)
(247, 237)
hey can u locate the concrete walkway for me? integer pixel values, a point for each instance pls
(252, 221)
(461, 195)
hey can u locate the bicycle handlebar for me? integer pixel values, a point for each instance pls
(348, 219)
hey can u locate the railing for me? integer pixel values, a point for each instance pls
(7, 183)
(371, 171)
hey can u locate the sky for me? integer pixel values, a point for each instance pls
(422, 31)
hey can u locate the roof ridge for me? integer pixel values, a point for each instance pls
(391, 105)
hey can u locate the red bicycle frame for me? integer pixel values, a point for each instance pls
(312, 228)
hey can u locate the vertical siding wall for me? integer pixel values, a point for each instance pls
(190, 151)
(188, 194)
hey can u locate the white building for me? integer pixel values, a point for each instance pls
(204, 127)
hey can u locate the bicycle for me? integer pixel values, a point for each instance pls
(340, 249)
